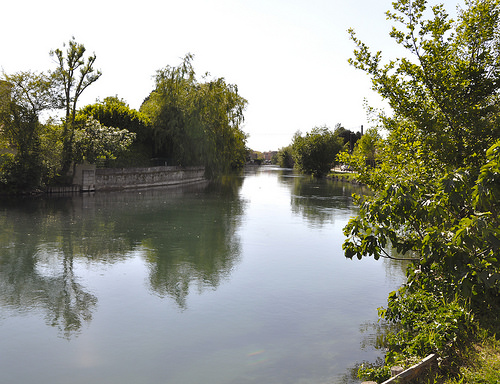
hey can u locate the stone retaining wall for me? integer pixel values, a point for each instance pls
(125, 178)
(88, 178)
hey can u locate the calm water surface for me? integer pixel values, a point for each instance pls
(243, 282)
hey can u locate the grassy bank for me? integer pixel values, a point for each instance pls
(481, 365)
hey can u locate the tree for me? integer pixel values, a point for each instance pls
(74, 74)
(365, 154)
(95, 141)
(219, 110)
(25, 95)
(436, 184)
(417, 158)
(448, 91)
(434, 190)
(115, 112)
(169, 106)
(285, 157)
(366, 147)
(315, 152)
(196, 123)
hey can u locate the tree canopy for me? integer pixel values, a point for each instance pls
(23, 97)
(94, 141)
(74, 74)
(446, 92)
(196, 123)
(315, 152)
(115, 112)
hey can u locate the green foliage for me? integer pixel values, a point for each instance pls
(429, 323)
(95, 141)
(426, 323)
(374, 373)
(367, 146)
(184, 120)
(439, 208)
(450, 225)
(220, 113)
(285, 157)
(23, 96)
(449, 90)
(196, 123)
(115, 112)
(315, 152)
(74, 74)
(436, 181)
(365, 155)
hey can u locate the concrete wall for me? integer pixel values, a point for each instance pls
(84, 177)
(125, 178)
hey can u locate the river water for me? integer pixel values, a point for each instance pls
(240, 282)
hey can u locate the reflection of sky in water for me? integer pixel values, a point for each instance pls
(246, 286)
(48, 261)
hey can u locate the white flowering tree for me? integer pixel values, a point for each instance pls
(95, 141)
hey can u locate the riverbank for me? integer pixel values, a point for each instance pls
(482, 365)
(476, 357)
(349, 177)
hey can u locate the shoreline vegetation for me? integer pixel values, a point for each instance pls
(479, 362)
(435, 183)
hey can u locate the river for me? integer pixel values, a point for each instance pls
(243, 281)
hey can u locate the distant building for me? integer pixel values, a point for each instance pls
(262, 157)
(268, 156)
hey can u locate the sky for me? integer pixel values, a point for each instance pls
(287, 57)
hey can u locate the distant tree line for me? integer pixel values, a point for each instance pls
(316, 152)
(183, 121)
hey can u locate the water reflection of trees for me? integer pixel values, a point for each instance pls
(197, 244)
(188, 234)
(374, 334)
(36, 267)
(319, 200)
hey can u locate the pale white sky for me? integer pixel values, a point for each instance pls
(288, 57)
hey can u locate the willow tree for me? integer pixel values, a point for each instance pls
(219, 109)
(169, 108)
(196, 123)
